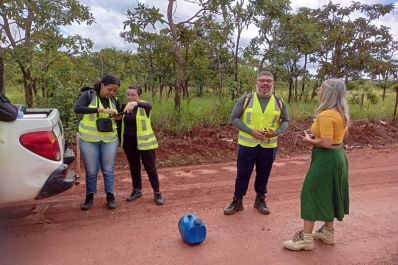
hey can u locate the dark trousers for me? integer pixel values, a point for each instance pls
(263, 158)
(148, 159)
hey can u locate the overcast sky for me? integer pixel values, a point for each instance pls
(109, 17)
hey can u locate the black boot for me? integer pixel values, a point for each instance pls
(134, 195)
(235, 206)
(158, 198)
(110, 201)
(260, 205)
(88, 203)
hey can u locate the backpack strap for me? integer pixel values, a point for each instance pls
(279, 101)
(247, 99)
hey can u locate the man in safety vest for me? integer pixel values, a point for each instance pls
(260, 117)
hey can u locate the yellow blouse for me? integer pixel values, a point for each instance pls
(329, 124)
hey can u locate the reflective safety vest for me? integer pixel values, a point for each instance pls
(254, 118)
(146, 139)
(88, 127)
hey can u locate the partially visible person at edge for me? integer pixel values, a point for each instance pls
(324, 195)
(260, 118)
(139, 142)
(99, 148)
(8, 111)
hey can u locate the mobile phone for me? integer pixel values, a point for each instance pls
(121, 113)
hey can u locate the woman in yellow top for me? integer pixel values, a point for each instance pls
(324, 195)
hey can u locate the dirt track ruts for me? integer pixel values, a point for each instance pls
(55, 231)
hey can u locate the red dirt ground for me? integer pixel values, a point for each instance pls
(55, 231)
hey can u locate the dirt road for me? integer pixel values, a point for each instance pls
(55, 231)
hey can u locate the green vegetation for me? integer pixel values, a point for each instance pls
(194, 70)
(211, 111)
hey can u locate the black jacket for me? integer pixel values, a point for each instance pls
(8, 111)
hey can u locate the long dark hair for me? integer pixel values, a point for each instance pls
(106, 80)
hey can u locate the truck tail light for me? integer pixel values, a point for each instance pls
(43, 143)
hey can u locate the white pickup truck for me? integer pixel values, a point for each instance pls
(34, 161)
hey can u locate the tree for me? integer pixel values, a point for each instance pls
(30, 25)
(350, 44)
(240, 16)
(142, 16)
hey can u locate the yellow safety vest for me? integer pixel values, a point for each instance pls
(146, 139)
(254, 118)
(88, 128)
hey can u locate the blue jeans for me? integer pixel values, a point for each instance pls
(263, 158)
(96, 155)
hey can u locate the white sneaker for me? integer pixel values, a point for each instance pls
(324, 235)
(300, 241)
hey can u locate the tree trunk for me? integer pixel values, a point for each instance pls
(27, 81)
(161, 86)
(2, 88)
(384, 88)
(303, 84)
(337, 59)
(180, 63)
(313, 94)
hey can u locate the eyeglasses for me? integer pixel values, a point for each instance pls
(262, 81)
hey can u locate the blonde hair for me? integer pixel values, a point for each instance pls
(332, 95)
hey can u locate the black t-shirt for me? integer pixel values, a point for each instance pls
(130, 122)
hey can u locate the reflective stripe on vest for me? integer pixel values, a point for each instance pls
(146, 139)
(88, 127)
(254, 118)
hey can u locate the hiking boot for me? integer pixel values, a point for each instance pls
(134, 195)
(158, 198)
(88, 203)
(110, 201)
(325, 235)
(300, 241)
(260, 205)
(235, 206)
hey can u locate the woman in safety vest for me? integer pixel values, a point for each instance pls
(98, 137)
(139, 142)
(324, 195)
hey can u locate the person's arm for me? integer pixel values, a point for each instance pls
(236, 116)
(285, 120)
(146, 106)
(326, 129)
(8, 111)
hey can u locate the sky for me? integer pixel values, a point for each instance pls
(109, 17)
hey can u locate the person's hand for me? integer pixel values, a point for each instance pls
(111, 112)
(130, 106)
(270, 133)
(118, 117)
(308, 137)
(258, 134)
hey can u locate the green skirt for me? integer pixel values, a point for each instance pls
(324, 195)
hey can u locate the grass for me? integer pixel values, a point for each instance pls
(211, 111)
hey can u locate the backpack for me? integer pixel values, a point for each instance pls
(87, 89)
(279, 101)
(91, 93)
